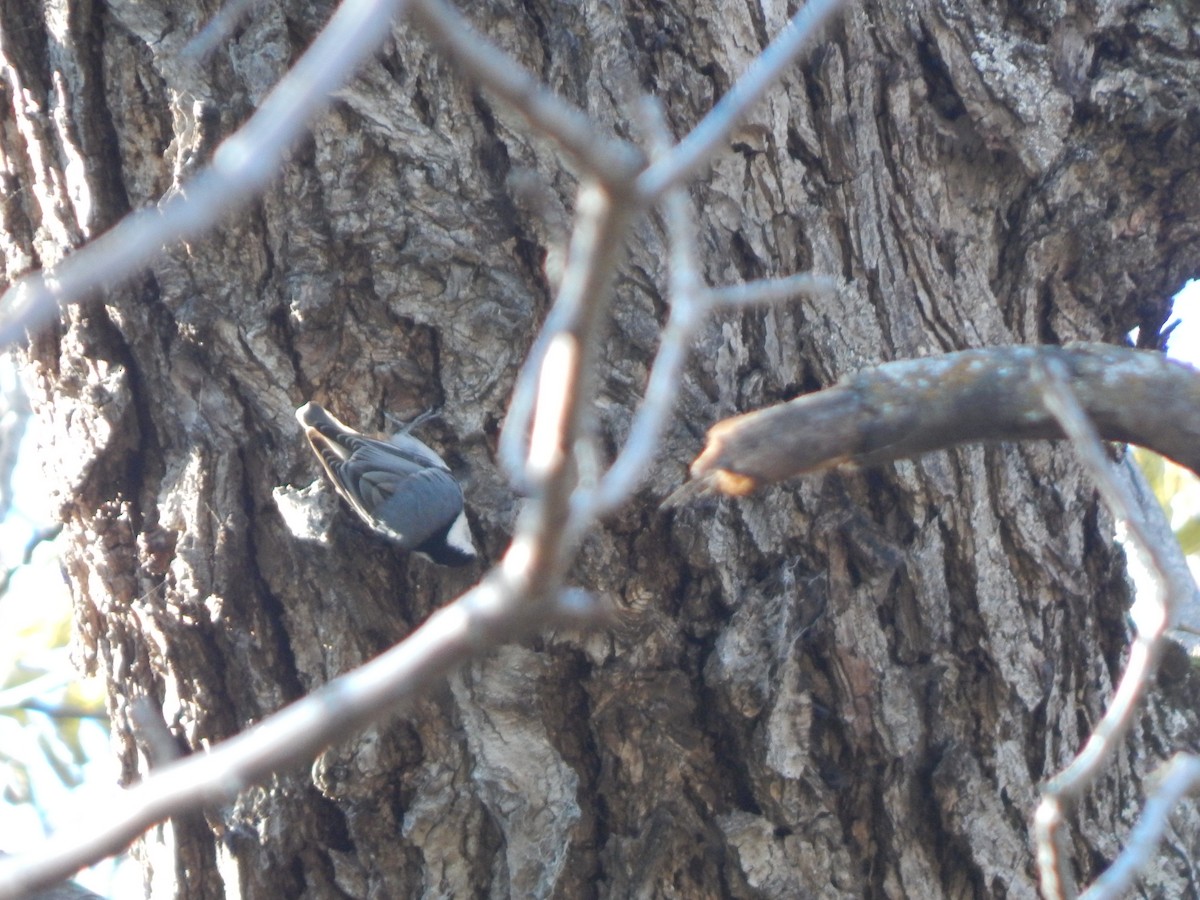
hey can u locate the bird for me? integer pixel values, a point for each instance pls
(400, 488)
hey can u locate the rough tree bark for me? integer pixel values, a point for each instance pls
(847, 686)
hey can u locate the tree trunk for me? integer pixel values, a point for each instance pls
(848, 686)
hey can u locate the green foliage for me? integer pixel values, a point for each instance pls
(49, 717)
(1178, 490)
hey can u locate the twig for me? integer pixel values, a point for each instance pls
(583, 299)
(772, 290)
(706, 138)
(1176, 779)
(65, 711)
(241, 167)
(1053, 853)
(691, 301)
(592, 257)
(686, 296)
(219, 27)
(1155, 614)
(630, 466)
(1185, 617)
(597, 154)
(484, 617)
(26, 694)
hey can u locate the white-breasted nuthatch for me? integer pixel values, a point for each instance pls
(401, 488)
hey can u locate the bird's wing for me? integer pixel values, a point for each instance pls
(412, 508)
(368, 454)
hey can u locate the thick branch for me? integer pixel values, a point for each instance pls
(903, 409)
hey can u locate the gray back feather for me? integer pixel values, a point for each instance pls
(402, 496)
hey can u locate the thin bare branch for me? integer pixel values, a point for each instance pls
(906, 408)
(1154, 614)
(595, 248)
(597, 154)
(1185, 616)
(517, 598)
(485, 617)
(1056, 879)
(1059, 397)
(630, 466)
(514, 434)
(241, 167)
(22, 695)
(709, 136)
(686, 295)
(1176, 780)
(773, 290)
(691, 301)
(219, 28)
